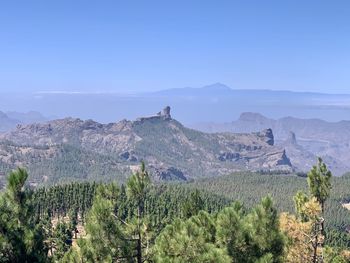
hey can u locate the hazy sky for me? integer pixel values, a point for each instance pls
(149, 45)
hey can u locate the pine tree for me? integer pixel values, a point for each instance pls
(265, 237)
(105, 240)
(137, 187)
(21, 238)
(193, 204)
(230, 231)
(62, 240)
(253, 237)
(302, 240)
(319, 181)
(189, 241)
(73, 220)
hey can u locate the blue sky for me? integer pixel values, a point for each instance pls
(151, 45)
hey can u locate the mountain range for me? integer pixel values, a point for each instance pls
(73, 149)
(303, 139)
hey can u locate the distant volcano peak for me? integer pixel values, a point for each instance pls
(217, 86)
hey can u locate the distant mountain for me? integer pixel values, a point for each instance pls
(216, 89)
(303, 139)
(7, 123)
(28, 117)
(216, 102)
(73, 149)
(10, 120)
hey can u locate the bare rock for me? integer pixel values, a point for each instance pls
(291, 139)
(266, 136)
(169, 174)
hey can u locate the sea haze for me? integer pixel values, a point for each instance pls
(216, 102)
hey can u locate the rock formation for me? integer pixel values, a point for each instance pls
(170, 150)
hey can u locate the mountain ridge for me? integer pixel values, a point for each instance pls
(171, 151)
(312, 137)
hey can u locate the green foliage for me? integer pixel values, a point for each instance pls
(162, 203)
(105, 240)
(21, 239)
(66, 163)
(140, 222)
(137, 187)
(62, 240)
(193, 204)
(319, 181)
(299, 200)
(188, 242)
(233, 237)
(230, 230)
(251, 237)
(249, 188)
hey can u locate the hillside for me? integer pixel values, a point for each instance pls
(249, 188)
(303, 139)
(73, 149)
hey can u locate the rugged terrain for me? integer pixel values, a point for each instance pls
(73, 149)
(303, 139)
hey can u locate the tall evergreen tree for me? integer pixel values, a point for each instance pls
(189, 241)
(105, 240)
(21, 238)
(137, 187)
(319, 180)
(252, 237)
(193, 204)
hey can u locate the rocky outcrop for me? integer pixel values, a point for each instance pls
(229, 156)
(169, 174)
(173, 151)
(165, 113)
(309, 138)
(267, 136)
(128, 156)
(303, 159)
(284, 160)
(162, 115)
(291, 139)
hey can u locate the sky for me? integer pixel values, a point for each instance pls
(137, 46)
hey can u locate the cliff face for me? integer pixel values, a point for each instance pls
(303, 139)
(172, 151)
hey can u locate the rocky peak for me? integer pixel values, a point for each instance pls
(284, 160)
(165, 113)
(266, 136)
(291, 139)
